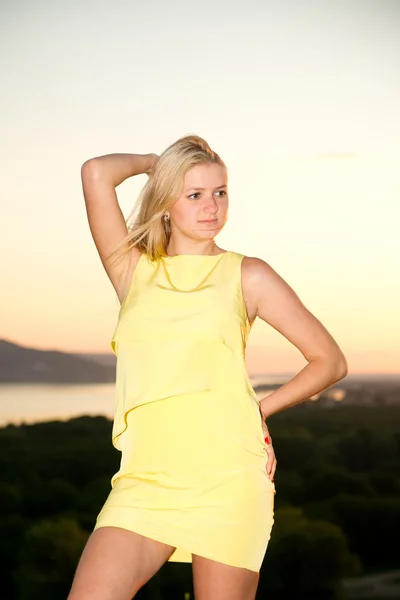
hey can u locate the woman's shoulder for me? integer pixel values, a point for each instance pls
(255, 269)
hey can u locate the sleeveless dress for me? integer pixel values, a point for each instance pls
(186, 418)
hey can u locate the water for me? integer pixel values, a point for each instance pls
(30, 403)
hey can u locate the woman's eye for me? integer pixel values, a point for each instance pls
(197, 193)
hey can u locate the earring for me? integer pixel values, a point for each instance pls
(166, 217)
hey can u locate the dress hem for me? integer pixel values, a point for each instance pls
(180, 554)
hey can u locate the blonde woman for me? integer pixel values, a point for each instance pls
(196, 479)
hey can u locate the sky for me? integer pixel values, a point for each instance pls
(300, 99)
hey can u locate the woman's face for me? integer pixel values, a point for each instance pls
(195, 206)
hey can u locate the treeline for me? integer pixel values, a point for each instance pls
(337, 509)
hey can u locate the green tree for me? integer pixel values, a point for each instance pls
(306, 559)
(48, 559)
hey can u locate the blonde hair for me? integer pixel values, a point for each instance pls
(149, 232)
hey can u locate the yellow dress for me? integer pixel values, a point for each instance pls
(186, 418)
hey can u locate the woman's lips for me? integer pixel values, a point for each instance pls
(208, 221)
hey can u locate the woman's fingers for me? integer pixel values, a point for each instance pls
(271, 462)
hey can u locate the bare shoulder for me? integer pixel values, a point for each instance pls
(253, 271)
(266, 289)
(123, 283)
(255, 267)
(257, 272)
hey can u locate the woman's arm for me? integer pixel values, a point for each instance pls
(100, 176)
(279, 306)
(115, 168)
(319, 374)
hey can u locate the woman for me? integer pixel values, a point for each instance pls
(196, 480)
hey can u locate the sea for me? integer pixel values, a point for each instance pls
(30, 403)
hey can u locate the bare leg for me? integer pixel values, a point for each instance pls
(213, 580)
(116, 563)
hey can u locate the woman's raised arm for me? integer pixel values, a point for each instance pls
(100, 176)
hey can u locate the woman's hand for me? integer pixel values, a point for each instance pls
(153, 161)
(272, 462)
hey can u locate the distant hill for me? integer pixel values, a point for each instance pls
(109, 360)
(19, 364)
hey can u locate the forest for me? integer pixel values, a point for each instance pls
(337, 508)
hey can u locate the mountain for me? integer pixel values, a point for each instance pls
(19, 364)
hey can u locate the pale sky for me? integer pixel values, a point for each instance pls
(301, 100)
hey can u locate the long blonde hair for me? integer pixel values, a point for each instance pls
(149, 232)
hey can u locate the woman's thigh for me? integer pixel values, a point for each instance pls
(213, 580)
(116, 563)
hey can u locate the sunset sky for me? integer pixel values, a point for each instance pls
(301, 100)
